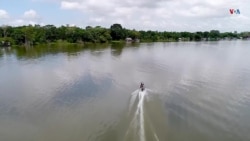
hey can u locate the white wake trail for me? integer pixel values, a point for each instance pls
(138, 118)
(141, 115)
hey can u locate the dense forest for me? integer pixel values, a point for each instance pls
(37, 34)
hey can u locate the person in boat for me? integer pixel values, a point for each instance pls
(142, 86)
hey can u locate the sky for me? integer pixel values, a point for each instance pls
(160, 15)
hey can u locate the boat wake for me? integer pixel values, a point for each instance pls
(144, 113)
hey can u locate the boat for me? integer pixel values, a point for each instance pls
(142, 86)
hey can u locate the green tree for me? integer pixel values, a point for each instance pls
(1, 33)
(73, 34)
(214, 34)
(51, 33)
(198, 36)
(39, 36)
(117, 32)
(245, 35)
(62, 30)
(206, 35)
(29, 35)
(18, 36)
(87, 36)
(133, 34)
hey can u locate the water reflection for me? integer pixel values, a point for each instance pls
(43, 50)
(39, 51)
(84, 89)
(116, 49)
(1, 53)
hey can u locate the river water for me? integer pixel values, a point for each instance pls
(194, 91)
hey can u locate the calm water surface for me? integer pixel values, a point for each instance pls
(194, 91)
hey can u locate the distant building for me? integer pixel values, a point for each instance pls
(137, 40)
(4, 44)
(130, 40)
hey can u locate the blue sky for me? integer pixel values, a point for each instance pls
(169, 15)
(47, 12)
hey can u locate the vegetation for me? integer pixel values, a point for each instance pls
(31, 35)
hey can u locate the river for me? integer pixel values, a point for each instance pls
(194, 91)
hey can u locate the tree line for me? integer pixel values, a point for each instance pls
(37, 34)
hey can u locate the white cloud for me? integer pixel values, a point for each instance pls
(21, 22)
(175, 15)
(30, 14)
(3, 14)
(170, 15)
(70, 5)
(27, 18)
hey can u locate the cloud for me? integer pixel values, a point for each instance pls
(30, 14)
(3, 14)
(70, 5)
(29, 17)
(176, 15)
(20, 22)
(162, 15)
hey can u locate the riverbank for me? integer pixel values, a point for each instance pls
(115, 43)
